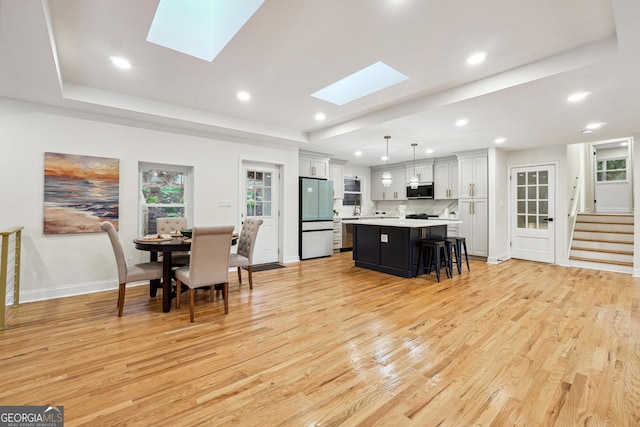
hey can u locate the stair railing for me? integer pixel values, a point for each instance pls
(573, 211)
(10, 263)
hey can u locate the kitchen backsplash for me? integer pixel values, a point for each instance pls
(390, 208)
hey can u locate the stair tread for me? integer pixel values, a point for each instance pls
(577, 258)
(609, 251)
(582, 239)
(604, 231)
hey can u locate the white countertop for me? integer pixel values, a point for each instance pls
(363, 217)
(409, 223)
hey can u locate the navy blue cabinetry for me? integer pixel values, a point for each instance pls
(390, 249)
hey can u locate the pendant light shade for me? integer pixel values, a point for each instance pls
(414, 181)
(387, 179)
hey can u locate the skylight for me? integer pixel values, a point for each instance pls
(362, 83)
(200, 28)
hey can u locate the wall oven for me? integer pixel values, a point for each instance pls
(424, 191)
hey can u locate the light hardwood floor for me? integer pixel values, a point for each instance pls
(322, 342)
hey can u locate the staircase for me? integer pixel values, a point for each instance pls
(603, 242)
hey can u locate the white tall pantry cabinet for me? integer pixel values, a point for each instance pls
(472, 202)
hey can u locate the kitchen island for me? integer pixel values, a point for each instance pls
(390, 245)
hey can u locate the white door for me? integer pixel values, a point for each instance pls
(612, 180)
(532, 213)
(261, 184)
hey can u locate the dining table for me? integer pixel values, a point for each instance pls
(167, 245)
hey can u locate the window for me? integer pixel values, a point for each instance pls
(533, 199)
(352, 191)
(258, 189)
(611, 170)
(163, 193)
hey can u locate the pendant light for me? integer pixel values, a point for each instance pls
(386, 175)
(414, 181)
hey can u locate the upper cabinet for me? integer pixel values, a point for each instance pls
(445, 179)
(312, 166)
(423, 170)
(337, 176)
(473, 176)
(398, 188)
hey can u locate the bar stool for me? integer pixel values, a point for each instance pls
(458, 244)
(436, 253)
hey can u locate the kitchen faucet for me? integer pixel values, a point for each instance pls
(357, 208)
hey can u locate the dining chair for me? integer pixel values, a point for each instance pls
(246, 245)
(168, 225)
(129, 273)
(209, 264)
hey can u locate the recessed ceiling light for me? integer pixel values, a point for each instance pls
(587, 131)
(429, 150)
(384, 158)
(579, 96)
(462, 122)
(120, 62)
(320, 117)
(593, 126)
(477, 58)
(358, 153)
(371, 79)
(499, 140)
(244, 95)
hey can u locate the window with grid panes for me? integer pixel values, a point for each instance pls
(258, 191)
(611, 170)
(533, 199)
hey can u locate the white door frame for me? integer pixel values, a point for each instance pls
(512, 198)
(593, 147)
(279, 167)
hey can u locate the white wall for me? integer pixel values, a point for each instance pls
(551, 155)
(62, 265)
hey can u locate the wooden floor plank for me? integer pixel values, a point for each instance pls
(322, 342)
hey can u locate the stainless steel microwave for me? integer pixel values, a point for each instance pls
(424, 191)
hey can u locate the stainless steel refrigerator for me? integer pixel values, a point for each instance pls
(316, 218)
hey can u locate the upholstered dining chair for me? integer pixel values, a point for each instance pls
(209, 264)
(128, 274)
(246, 245)
(168, 225)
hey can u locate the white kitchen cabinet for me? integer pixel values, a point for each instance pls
(337, 176)
(473, 176)
(423, 171)
(313, 167)
(396, 191)
(473, 214)
(445, 180)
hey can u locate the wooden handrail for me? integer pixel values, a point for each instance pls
(4, 268)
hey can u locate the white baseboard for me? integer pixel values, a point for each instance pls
(498, 259)
(291, 260)
(69, 290)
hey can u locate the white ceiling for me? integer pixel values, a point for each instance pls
(56, 52)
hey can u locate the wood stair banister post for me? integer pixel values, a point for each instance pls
(4, 270)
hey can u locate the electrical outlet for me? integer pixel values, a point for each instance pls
(130, 261)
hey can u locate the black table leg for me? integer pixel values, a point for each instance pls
(166, 282)
(153, 284)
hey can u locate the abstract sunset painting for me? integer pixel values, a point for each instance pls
(79, 193)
